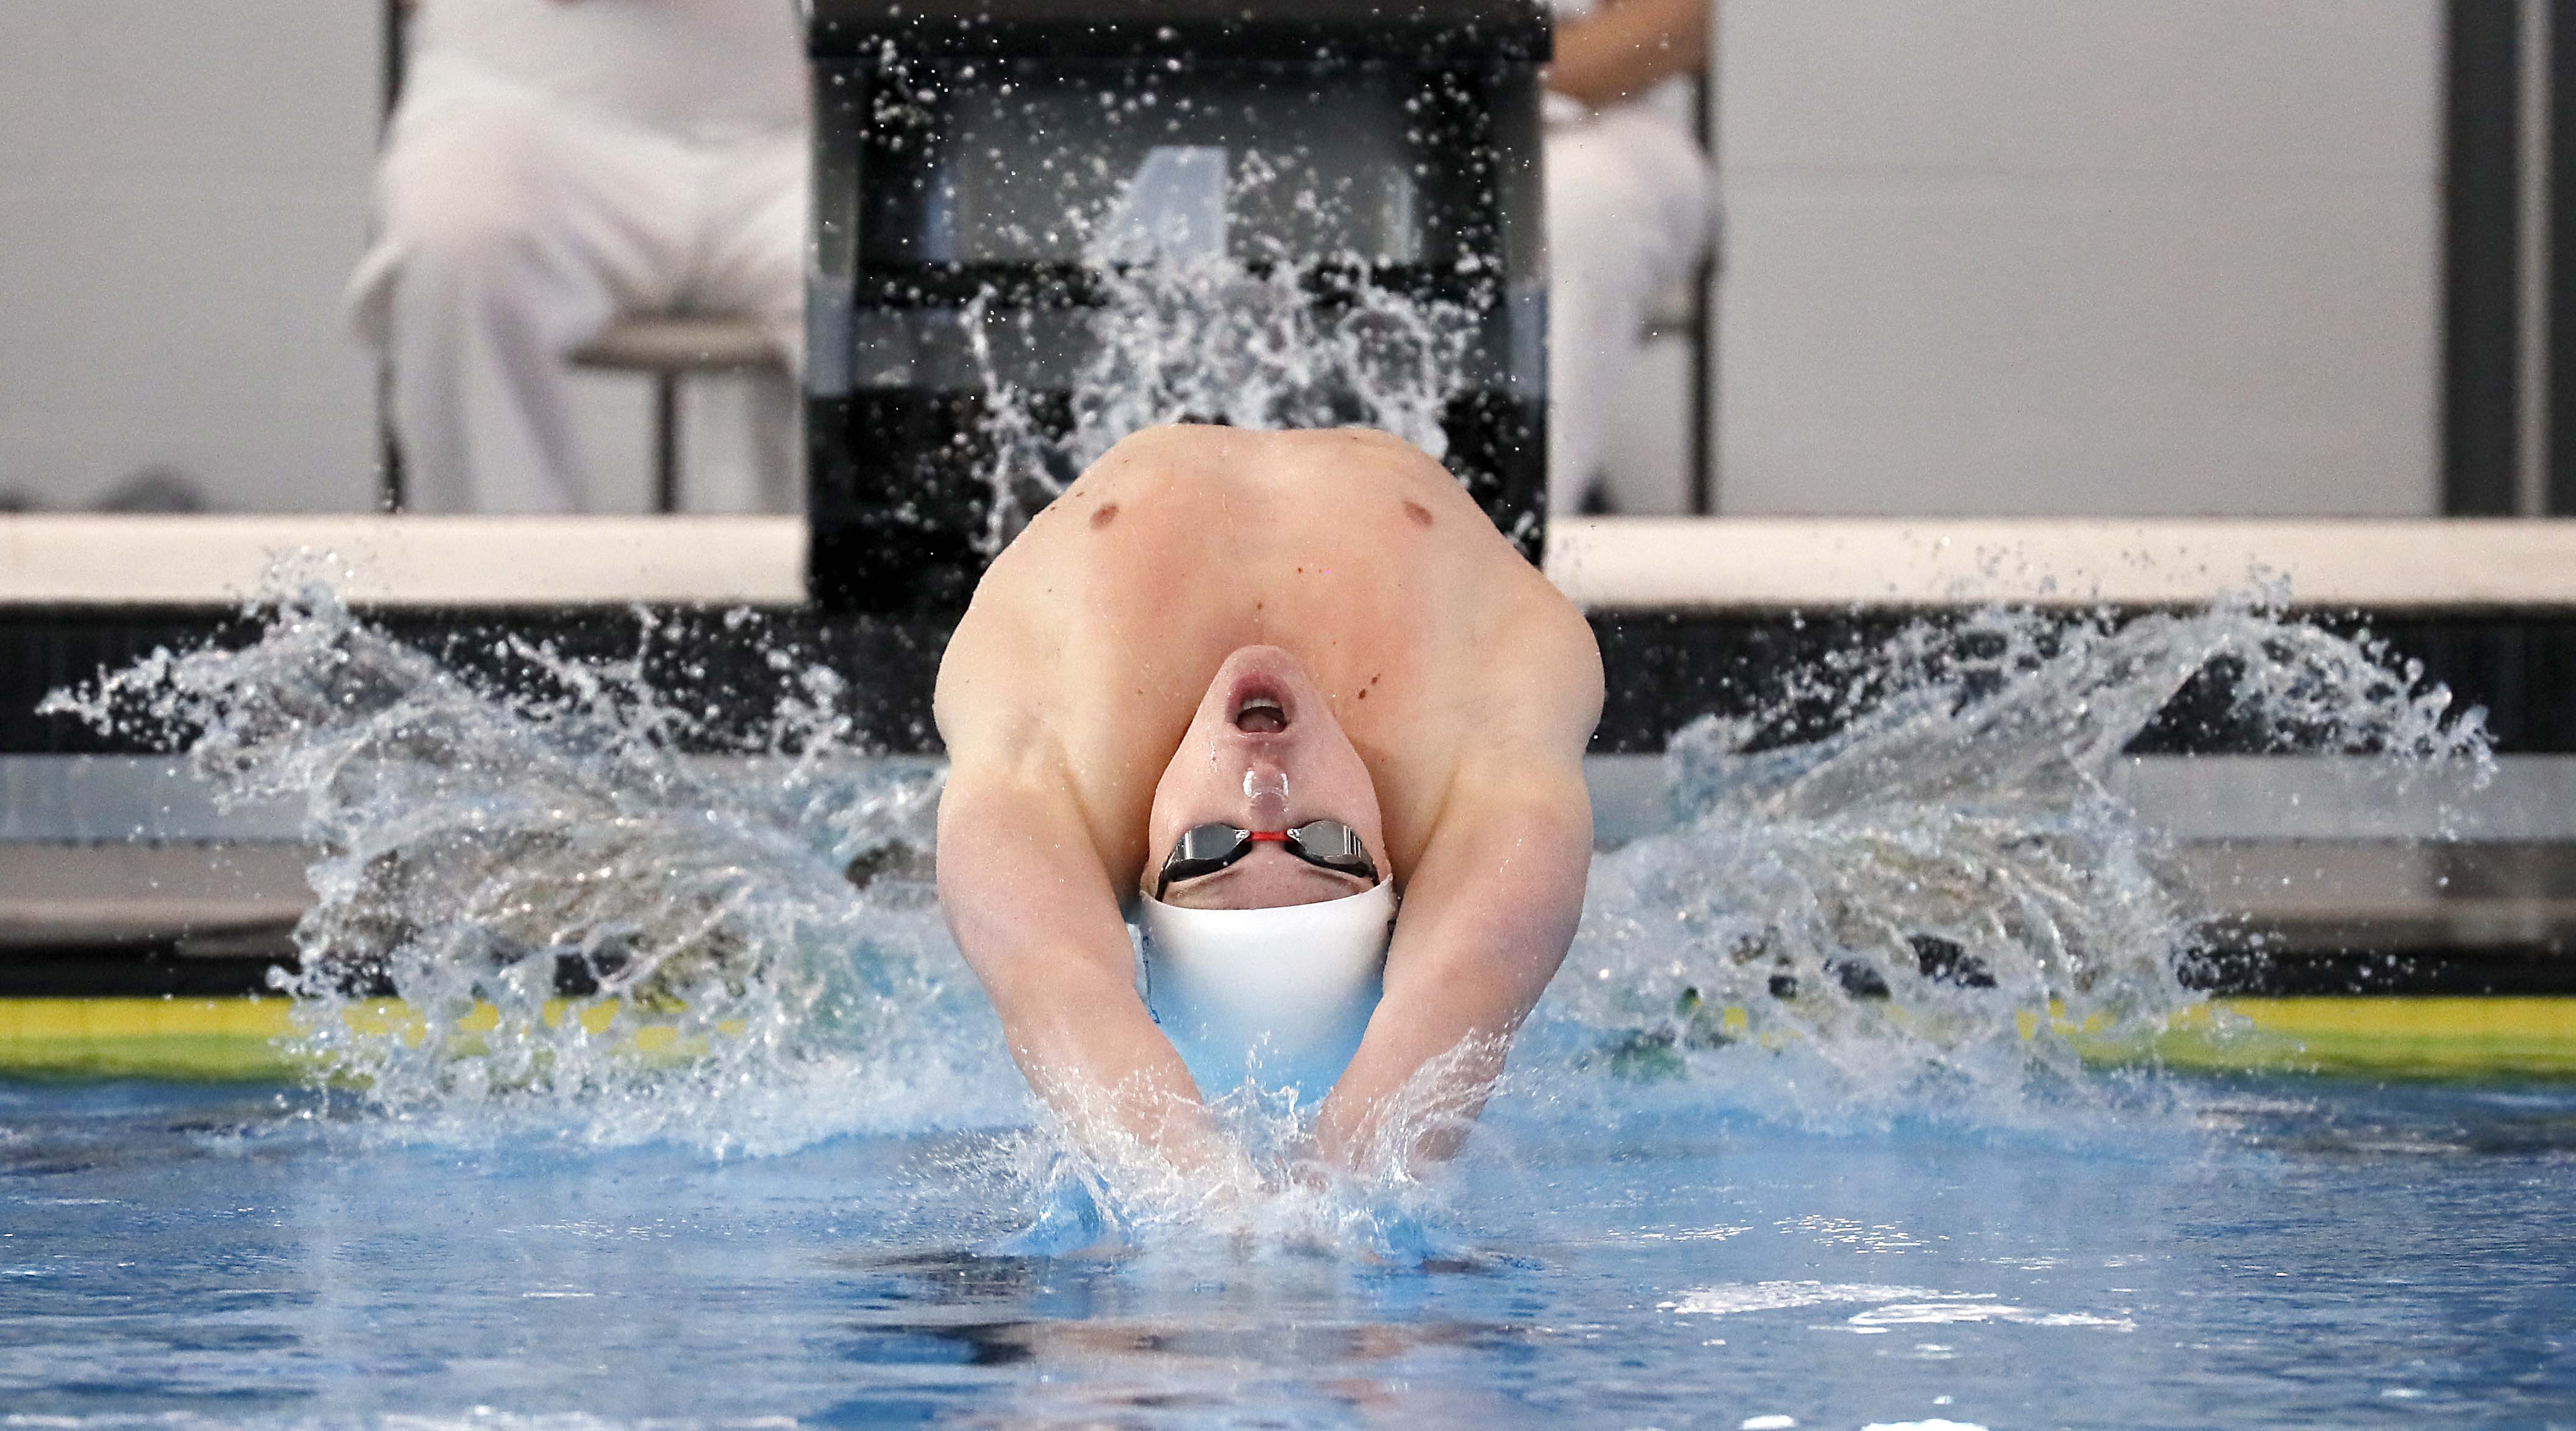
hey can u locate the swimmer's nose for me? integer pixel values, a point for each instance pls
(1265, 788)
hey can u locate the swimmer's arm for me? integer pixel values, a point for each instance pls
(1487, 917)
(1030, 902)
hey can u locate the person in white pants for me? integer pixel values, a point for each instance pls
(555, 165)
(1631, 208)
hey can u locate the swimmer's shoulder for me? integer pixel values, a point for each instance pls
(1528, 644)
(993, 664)
(1081, 561)
(1565, 656)
(1004, 658)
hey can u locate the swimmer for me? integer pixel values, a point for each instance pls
(1289, 700)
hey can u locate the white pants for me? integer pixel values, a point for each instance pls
(514, 228)
(1631, 203)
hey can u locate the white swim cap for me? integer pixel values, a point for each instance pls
(1282, 994)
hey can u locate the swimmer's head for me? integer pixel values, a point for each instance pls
(1263, 752)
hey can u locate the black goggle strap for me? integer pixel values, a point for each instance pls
(1205, 849)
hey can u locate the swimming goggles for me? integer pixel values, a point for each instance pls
(1205, 849)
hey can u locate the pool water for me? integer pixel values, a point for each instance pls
(1616, 1254)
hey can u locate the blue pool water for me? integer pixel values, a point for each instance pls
(2256, 1253)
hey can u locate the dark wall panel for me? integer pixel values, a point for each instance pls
(2481, 176)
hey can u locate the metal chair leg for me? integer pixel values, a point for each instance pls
(390, 493)
(666, 442)
(1703, 405)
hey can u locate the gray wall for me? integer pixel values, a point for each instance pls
(182, 191)
(1984, 256)
(2082, 256)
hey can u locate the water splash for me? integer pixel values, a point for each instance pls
(601, 939)
(1944, 897)
(589, 932)
(1214, 339)
(1181, 329)
(1100, 1188)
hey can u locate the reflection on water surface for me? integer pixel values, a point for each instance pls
(2246, 1252)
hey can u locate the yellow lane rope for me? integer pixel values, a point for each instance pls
(2393, 1036)
(155, 1038)
(239, 1038)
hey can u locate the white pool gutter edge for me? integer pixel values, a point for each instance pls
(413, 561)
(1742, 564)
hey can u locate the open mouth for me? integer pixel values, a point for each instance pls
(1260, 713)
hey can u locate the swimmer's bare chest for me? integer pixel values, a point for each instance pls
(1382, 578)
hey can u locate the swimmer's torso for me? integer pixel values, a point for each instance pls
(1096, 633)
